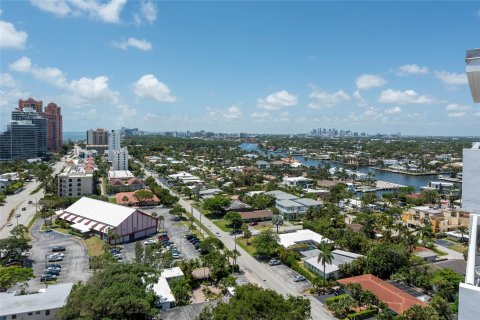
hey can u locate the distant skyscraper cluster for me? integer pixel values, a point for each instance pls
(32, 131)
(323, 132)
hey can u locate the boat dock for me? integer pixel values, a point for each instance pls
(454, 180)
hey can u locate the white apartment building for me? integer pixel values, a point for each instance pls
(76, 180)
(120, 159)
(114, 137)
(470, 290)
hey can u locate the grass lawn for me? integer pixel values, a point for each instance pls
(242, 242)
(458, 247)
(112, 200)
(95, 246)
(222, 224)
(439, 252)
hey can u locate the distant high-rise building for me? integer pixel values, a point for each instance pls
(97, 137)
(31, 103)
(54, 126)
(25, 137)
(114, 137)
(41, 125)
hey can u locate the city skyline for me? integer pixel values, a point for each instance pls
(243, 67)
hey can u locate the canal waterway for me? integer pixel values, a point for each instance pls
(393, 177)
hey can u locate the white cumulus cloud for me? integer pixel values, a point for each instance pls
(140, 44)
(150, 87)
(456, 114)
(10, 37)
(360, 100)
(80, 91)
(403, 97)
(393, 110)
(368, 81)
(457, 107)
(278, 100)
(147, 12)
(327, 99)
(106, 11)
(451, 79)
(414, 69)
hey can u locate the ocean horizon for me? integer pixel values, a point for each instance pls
(74, 136)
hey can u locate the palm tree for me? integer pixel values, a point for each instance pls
(162, 220)
(462, 230)
(325, 256)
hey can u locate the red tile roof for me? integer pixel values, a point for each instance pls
(396, 299)
(256, 214)
(132, 200)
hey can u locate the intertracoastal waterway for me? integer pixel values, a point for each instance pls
(398, 178)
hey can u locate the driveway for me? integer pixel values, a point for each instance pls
(74, 266)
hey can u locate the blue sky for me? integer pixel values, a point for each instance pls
(265, 67)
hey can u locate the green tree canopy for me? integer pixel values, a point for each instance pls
(266, 243)
(252, 302)
(9, 276)
(121, 291)
(234, 219)
(216, 204)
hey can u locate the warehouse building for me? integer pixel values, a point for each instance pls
(95, 217)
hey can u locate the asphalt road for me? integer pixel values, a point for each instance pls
(19, 201)
(74, 266)
(255, 271)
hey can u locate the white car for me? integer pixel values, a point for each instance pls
(148, 242)
(56, 254)
(218, 234)
(9, 224)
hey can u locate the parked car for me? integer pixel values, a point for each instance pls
(274, 262)
(234, 232)
(24, 208)
(56, 255)
(48, 277)
(30, 202)
(54, 259)
(176, 256)
(58, 248)
(149, 242)
(9, 224)
(218, 234)
(53, 268)
(54, 265)
(253, 223)
(299, 278)
(175, 218)
(51, 272)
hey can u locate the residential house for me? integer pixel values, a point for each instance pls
(340, 257)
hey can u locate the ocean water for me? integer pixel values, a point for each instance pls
(74, 136)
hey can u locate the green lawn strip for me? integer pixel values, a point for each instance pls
(210, 233)
(40, 186)
(95, 246)
(222, 224)
(112, 200)
(439, 252)
(242, 242)
(458, 247)
(32, 221)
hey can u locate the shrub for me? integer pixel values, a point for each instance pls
(364, 314)
(331, 300)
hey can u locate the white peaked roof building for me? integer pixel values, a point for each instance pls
(90, 215)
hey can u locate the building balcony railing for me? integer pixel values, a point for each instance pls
(472, 276)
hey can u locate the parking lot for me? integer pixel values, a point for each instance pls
(74, 265)
(176, 232)
(286, 275)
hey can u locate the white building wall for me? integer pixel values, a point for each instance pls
(120, 159)
(113, 142)
(471, 179)
(470, 290)
(80, 185)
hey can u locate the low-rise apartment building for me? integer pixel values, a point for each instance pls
(77, 179)
(441, 219)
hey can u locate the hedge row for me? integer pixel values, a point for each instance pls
(331, 300)
(364, 314)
